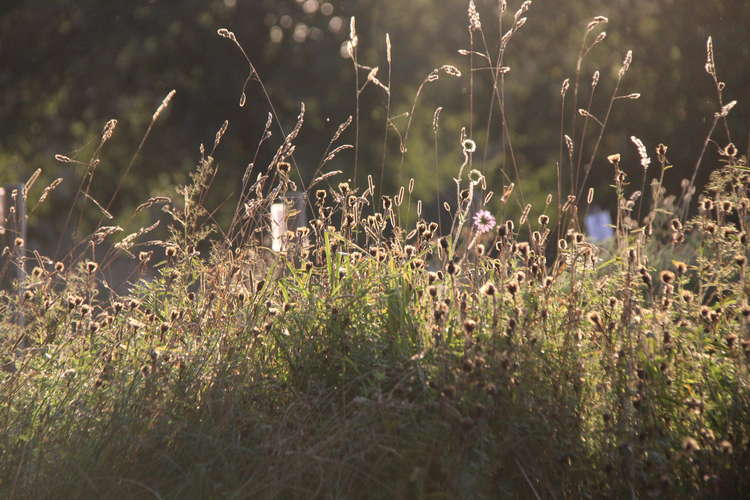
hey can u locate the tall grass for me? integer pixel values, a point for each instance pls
(371, 359)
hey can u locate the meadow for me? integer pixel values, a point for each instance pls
(495, 353)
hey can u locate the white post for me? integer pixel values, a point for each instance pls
(278, 226)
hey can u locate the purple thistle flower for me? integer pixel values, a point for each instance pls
(484, 221)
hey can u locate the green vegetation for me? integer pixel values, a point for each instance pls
(384, 354)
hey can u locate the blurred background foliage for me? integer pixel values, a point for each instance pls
(68, 66)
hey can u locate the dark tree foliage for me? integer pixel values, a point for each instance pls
(67, 66)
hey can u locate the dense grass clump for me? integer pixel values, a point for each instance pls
(412, 365)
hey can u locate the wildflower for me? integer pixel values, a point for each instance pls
(484, 221)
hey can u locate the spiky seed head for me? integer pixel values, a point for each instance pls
(452, 268)
(596, 320)
(284, 167)
(488, 289)
(690, 445)
(680, 267)
(726, 447)
(666, 277)
(632, 255)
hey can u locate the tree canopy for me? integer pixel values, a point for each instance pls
(69, 66)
